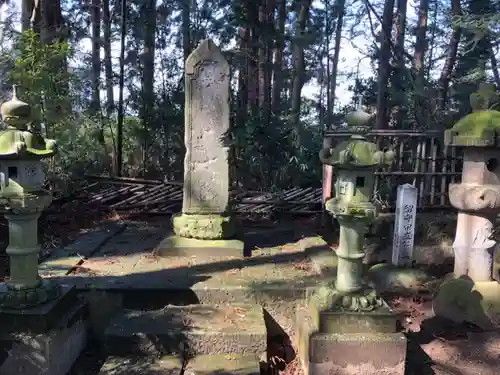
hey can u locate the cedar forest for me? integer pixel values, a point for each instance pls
(126, 90)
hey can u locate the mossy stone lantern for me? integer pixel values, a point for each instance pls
(470, 293)
(354, 162)
(23, 197)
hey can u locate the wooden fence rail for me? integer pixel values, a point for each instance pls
(421, 160)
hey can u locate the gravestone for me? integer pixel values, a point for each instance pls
(205, 220)
(206, 169)
(404, 225)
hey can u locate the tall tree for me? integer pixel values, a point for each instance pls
(299, 44)
(384, 65)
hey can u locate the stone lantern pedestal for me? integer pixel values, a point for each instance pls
(41, 322)
(352, 330)
(471, 294)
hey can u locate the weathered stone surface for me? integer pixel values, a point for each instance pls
(381, 320)
(204, 227)
(353, 354)
(62, 260)
(181, 246)
(41, 318)
(232, 364)
(195, 329)
(389, 278)
(51, 353)
(206, 171)
(464, 300)
(359, 343)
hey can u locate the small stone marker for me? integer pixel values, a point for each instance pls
(404, 225)
(206, 169)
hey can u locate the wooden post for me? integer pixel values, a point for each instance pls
(327, 183)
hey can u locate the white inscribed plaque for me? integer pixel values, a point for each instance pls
(404, 225)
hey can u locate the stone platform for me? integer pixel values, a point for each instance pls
(202, 365)
(188, 330)
(125, 282)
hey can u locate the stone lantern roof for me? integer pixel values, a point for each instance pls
(357, 151)
(16, 142)
(15, 112)
(481, 128)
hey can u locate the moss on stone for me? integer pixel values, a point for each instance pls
(204, 227)
(476, 129)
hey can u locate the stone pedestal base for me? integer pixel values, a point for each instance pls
(43, 340)
(181, 246)
(461, 299)
(357, 353)
(346, 342)
(204, 226)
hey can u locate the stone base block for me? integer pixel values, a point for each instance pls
(354, 354)
(181, 246)
(41, 318)
(50, 353)
(192, 329)
(204, 226)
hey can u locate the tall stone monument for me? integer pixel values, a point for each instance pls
(205, 221)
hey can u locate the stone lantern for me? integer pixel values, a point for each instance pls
(348, 318)
(354, 162)
(23, 198)
(471, 294)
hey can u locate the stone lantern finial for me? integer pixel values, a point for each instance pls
(15, 112)
(485, 98)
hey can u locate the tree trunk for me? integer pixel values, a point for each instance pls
(298, 61)
(418, 60)
(278, 58)
(108, 65)
(26, 12)
(186, 28)
(494, 68)
(384, 65)
(95, 17)
(332, 82)
(400, 63)
(148, 99)
(451, 58)
(253, 56)
(340, 8)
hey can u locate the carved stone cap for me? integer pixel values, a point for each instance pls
(207, 50)
(475, 198)
(15, 110)
(481, 128)
(358, 122)
(356, 153)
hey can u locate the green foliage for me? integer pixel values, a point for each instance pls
(40, 70)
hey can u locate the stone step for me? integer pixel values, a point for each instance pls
(188, 330)
(233, 364)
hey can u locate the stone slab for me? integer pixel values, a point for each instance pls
(381, 320)
(39, 319)
(181, 246)
(227, 364)
(53, 352)
(62, 260)
(196, 329)
(353, 354)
